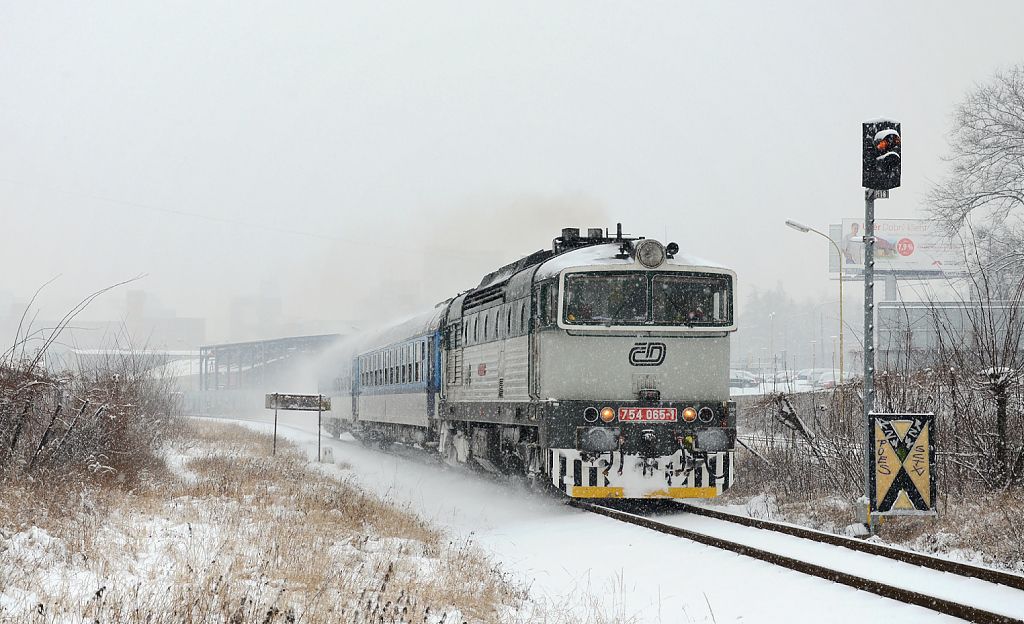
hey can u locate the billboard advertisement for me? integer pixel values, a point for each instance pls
(911, 245)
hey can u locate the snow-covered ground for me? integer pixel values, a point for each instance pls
(571, 558)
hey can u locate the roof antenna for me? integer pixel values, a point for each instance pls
(618, 231)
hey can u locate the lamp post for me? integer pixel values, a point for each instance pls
(800, 227)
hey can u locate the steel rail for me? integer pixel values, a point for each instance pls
(913, 558)
(941, 605)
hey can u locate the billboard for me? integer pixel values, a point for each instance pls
(910, 245)
(298, 402)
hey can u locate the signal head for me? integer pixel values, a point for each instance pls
(881, 155)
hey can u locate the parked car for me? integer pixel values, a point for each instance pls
(742, 379)
(785, 376)
(828, 379)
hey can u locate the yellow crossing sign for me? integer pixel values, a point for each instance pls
(902, 458)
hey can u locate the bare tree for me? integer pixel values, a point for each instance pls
(986, 155)
(984, 190)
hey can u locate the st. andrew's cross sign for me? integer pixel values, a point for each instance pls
(902, 460)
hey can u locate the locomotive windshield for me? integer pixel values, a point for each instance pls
(606, 299)
(691, 300)
(648, 298)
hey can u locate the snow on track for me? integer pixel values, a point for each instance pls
(570, 557)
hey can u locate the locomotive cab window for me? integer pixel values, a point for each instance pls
(691, 300)
(606, 299)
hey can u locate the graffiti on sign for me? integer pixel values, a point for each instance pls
(903, 464)
(299, 402)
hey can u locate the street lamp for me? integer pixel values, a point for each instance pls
(800, 227)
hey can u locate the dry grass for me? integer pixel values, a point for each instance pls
(236, 536)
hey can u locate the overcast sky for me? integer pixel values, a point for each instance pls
(321, 149)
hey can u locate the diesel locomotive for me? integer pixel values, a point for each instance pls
(600, 366)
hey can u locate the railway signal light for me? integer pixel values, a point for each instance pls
(882, 155)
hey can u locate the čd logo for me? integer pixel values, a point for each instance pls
(647, 354)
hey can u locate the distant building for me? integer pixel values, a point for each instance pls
(911, 332)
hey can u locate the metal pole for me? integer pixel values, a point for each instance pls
(319, 415)
(842, 348)
(275, 424)
(869, 337)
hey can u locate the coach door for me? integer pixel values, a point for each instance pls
(357, 371)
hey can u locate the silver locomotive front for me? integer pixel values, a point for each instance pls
(631, 361)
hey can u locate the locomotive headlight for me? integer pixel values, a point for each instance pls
(590, 414)
(706, 414)
(689, 414)
(650, 253)
(607, 414)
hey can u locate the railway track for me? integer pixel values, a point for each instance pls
(971, 613)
